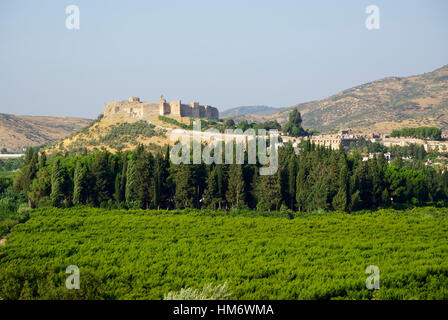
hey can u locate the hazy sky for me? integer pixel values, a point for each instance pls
(223, 53)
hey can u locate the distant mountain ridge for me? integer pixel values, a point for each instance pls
(378, 106)
(257, 110)
(17, 132)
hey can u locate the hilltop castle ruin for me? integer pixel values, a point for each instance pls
(134, 108)
(194, 109)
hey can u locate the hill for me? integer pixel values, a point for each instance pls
(123, 126)
(379, 106)
(113, 134)
(17, 132)
(252, 110)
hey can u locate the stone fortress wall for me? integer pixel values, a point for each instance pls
(134, 108)
(194, 109)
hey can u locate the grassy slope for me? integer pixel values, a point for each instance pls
(146, 254)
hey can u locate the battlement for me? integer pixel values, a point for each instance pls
(194, 109)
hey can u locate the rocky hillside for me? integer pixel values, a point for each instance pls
(379, 106)
(17, 132)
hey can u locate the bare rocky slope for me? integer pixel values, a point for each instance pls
(378, 106)
(17, 132)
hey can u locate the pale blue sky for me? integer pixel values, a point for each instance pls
(224, 53)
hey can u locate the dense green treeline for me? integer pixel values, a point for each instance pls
(145, 254)
(317, 178)
(419, 132)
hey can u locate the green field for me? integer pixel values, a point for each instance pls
(145, 254)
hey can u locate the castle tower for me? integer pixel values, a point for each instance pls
(164, 108)
(195, 109)
(176, 108)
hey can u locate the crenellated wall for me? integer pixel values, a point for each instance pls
(194, 110)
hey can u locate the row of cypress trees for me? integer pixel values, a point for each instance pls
(317, 178)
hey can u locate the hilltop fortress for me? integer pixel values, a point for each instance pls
(134, 108)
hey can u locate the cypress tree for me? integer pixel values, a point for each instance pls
(79, 183)
(28, 156)
(184, 196)
(161, 191)
(131, 173)
(235, 194)
(56, 195)
(43, 160)
(301, 186)
(292, 174)
(340, 200)
(211, 194)
(356, 201)
(100, 169)
(294, 125)
(268, 191)
(30, 172)
(318, 196)
(333, 175)
(364, 184)
(283, 170)
(385, 198)
(220, 180)
(120, 190)
(144, 180)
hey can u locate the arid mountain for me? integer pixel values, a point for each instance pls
(17, 132)
(256, 110)
(378, 106)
